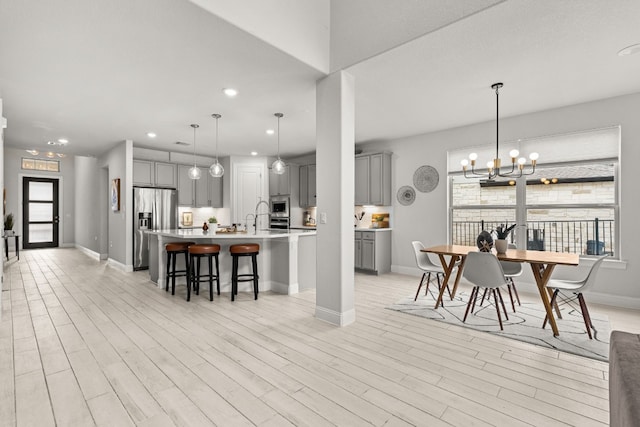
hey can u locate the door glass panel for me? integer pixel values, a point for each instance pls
(41, 191)
(40, 212)
(40, 233)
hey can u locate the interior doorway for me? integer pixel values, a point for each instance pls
(40, 212)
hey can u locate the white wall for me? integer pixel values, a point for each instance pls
(87, 228)
(426, 218)
(119, 240)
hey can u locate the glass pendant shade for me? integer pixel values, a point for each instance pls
(194, 172)
(216, 170)
(278, 167)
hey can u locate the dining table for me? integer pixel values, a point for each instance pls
(542, 265)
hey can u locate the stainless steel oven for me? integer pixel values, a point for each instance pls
(280, 223)
(279, 207)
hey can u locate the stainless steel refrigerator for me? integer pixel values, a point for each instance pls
(153, 209)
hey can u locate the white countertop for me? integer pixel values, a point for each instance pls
(372, 229)
(198, 233)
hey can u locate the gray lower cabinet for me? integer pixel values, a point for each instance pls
(199, 193)
(373, 251)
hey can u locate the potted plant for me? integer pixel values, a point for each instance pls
(213, 223)
(502, 233)
(8, 225)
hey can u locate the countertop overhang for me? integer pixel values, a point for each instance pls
(261, 234)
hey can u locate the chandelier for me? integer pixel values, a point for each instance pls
(493, 167)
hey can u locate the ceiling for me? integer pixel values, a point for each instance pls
(98, 73)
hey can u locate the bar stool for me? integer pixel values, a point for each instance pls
(196, 252)
(242, 250)
(173, 249)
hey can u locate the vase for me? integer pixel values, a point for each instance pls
(213, 227)
(501, 245)
(205, 227)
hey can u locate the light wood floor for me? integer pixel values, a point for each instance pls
(82, 344)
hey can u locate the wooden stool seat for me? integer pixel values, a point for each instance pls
(242, 250)
(173, 249)
(245, 248)
(196, 252)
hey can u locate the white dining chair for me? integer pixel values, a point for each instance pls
(425, 264)
(483, 270)
(575, 287)
(512, 269)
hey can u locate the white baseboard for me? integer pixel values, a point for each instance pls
(89, 252)
(409, 271)
(336, 318)
(282, 288)
(119, 266)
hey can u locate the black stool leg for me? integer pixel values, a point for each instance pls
(234, 278)
(254, 262)
(210, 277)
(173, 276)
(190, 279)
(217, 274)
(166, 280)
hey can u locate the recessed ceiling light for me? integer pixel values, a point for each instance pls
(61, 155)
(230, 92)
(51, 143)
(630, 50)
(63, 141)
(50, 155)
(33, 152)
(151, 134)
(254, 153)
(270, 131)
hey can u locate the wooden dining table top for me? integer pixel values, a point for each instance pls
(516, 255)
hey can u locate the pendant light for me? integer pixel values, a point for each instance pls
(278, 166)
(493, 167)
(194, 172)
(216, 170)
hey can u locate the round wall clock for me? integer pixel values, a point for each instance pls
(426, 178)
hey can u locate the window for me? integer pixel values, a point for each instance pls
(566, 206)
(41, 165)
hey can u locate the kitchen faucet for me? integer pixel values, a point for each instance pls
(255, 216)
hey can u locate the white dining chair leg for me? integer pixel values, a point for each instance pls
(472, 298)
(495, 298)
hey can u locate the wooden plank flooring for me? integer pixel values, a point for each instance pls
(82, 344)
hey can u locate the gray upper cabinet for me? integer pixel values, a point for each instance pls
(215, 191)
(280, 185)
(143, 172)
(361, 194)
(166, 175)
(156, 174)
(307, 186)
(199, 193)
(185, 187)
(373, 179)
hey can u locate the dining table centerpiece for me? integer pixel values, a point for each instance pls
(502, 234)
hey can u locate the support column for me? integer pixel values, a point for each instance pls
(335, 140)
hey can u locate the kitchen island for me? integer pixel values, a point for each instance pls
(283, 253)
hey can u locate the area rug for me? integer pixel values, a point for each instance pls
(524, 325)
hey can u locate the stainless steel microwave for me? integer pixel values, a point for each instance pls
(280, 206)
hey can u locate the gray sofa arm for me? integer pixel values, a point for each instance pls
(624, 379)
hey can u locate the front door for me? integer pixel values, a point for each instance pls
(40, 212)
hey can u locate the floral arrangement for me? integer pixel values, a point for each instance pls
(502, 231)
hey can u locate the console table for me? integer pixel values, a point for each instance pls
(6, 245)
